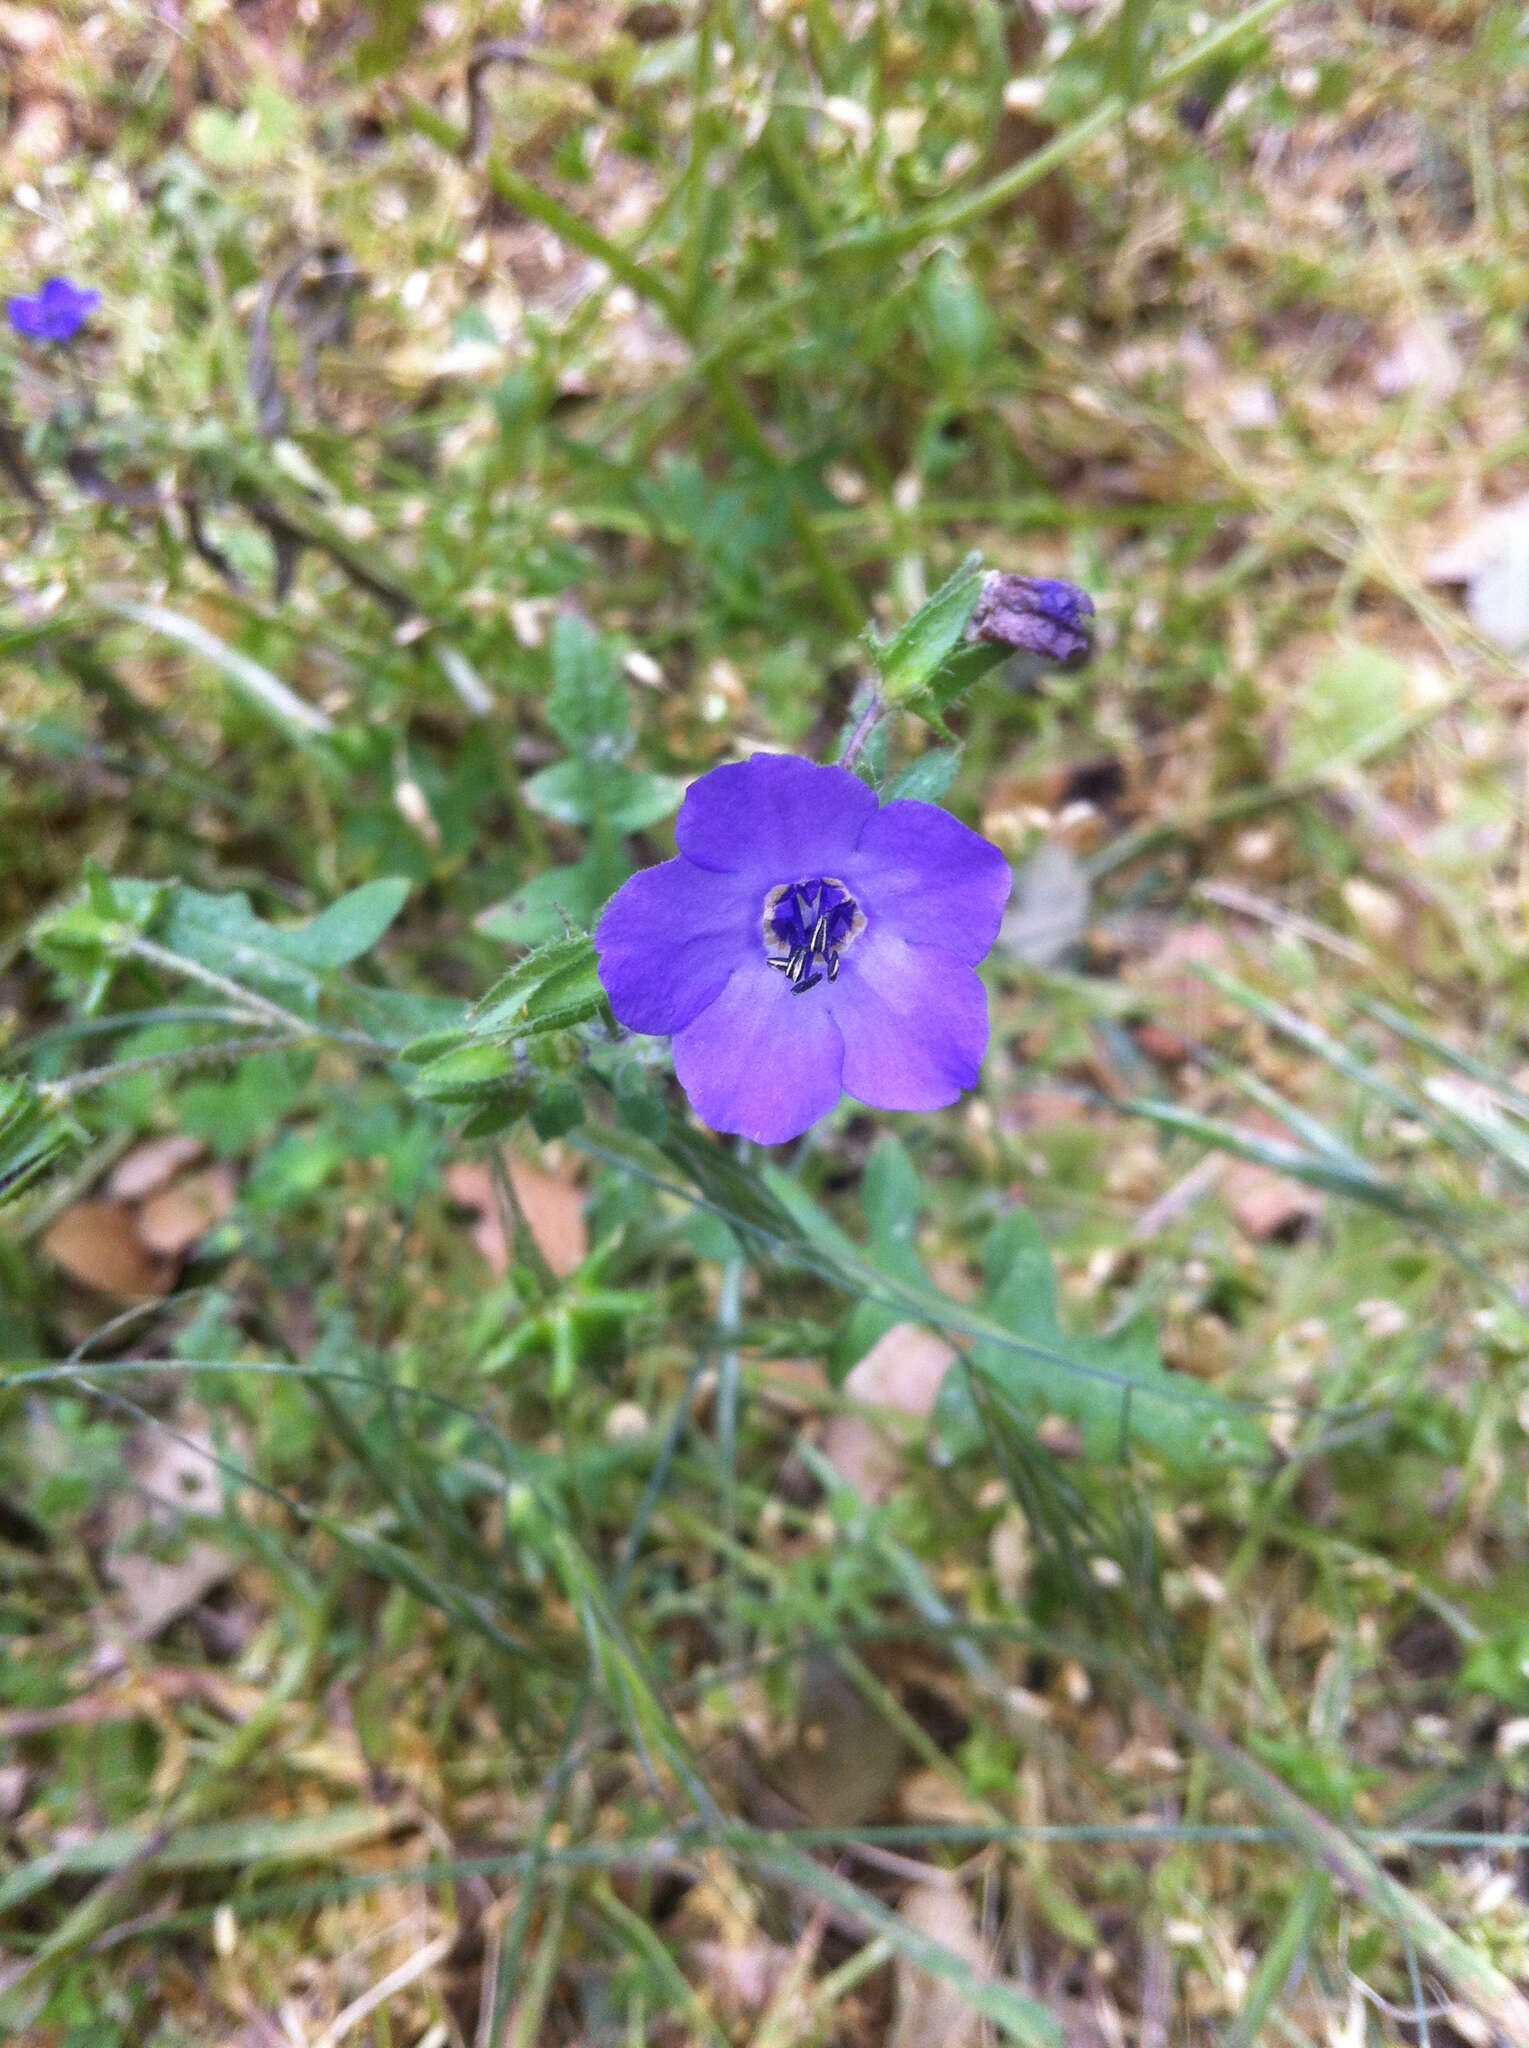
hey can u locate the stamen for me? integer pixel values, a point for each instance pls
(807, 925)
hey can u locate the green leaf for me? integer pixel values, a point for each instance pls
(569, 996)
(546, 905)
(954, 319)
(641, 1107)
(228, 1845)
(235, 1115)
(1348, 704)
(911, 659)
(268, 123)
(560, 975)
(76, 939)
(927, 779)
(894, 1199)
(466, 1075)
(348, 928)
(626, 799)
(1126, 1389)
(588, 704)
(556, 1110)
(33, 1138)
(224, 933)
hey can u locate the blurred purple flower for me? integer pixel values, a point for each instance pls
(56, 313)
(1038, 615)
(807, 942)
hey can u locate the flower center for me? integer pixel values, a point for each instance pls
(806, 926)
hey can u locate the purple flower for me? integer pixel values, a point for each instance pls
(807, 942)
(57, 313)
(1038, 615)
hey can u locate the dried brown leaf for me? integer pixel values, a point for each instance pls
(902, 1371)
(152, 1165)
(1266, 1204)
(172, 1221)
(929, 2012)
(742, 1978)
(97, 1243)
(153, 1592)
(174, 1473)
(553, 1209)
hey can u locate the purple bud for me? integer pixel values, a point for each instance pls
(1039, 615)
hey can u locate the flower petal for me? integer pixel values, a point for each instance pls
(775, 817)
(931, 878)
(913, 1020)
(26, 316)
(761, 1060)
(668, 941)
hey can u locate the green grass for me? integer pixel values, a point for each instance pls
(465, 458)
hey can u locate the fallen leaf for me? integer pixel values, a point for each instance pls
(1266, 1204)
(1050, 907)
(174, 1473)
(1163, 1047)
(1060, 1436)
(927, 1796)
(14, 1779)
(1423, 358)
(153, 1592)
(177, 1472)
(28, 29)
(1492, 561)
(847, 1756)
(742, 1978)
(1187, 1003)
(796, 1386)
(553, 1209)
(1379, 915)
(1248, 403)
(97, 1243)
(39, 138)
(172, 1221)
(1009, 1554)
(902, 1371)
(152, 1166)
(1042, 1109)
(927, 2011)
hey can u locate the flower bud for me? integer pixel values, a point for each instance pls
(1039, 615)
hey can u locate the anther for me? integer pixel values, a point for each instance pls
(833, 967)
(803, 986)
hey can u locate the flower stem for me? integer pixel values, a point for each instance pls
(874, 711)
